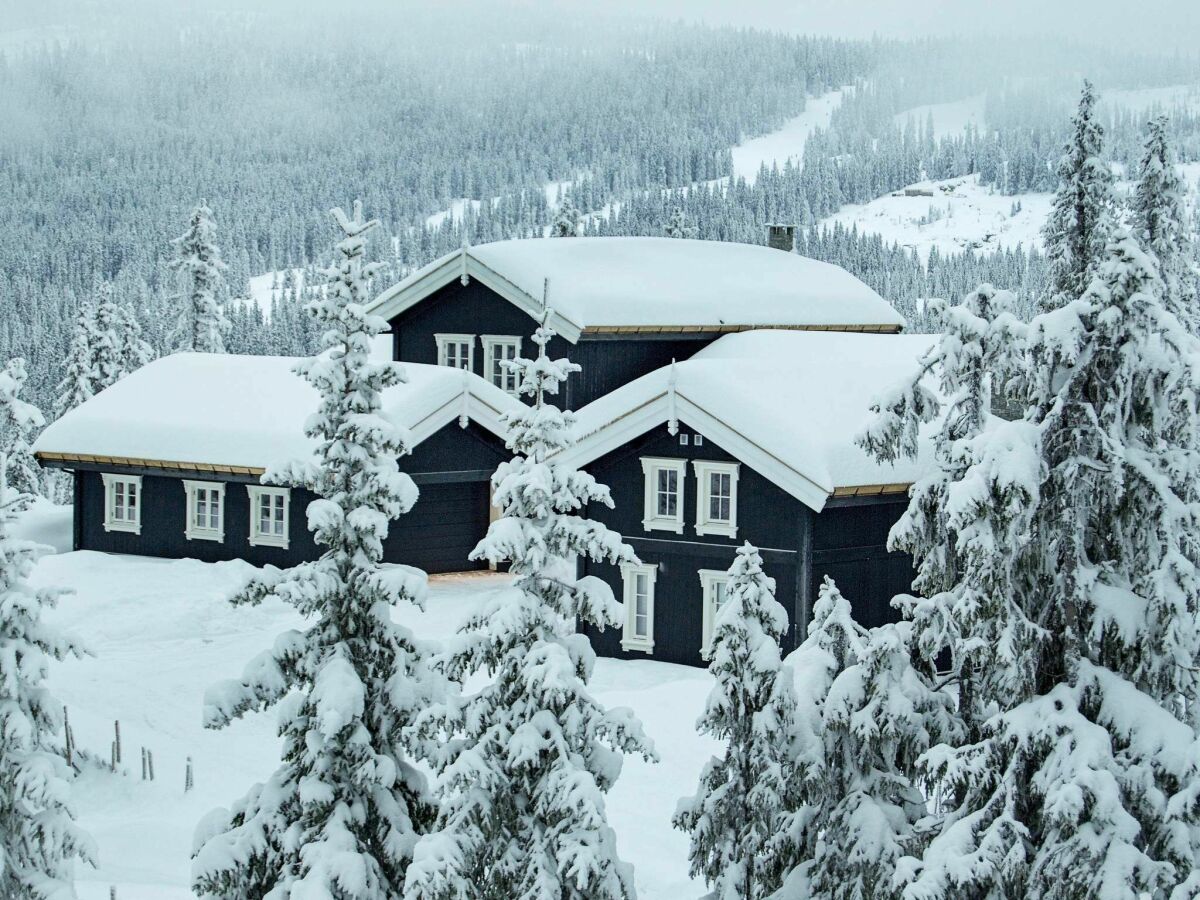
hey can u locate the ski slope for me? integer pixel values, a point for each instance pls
(787, 142)
(162, 631)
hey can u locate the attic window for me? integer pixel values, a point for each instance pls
(456, 350)
(664, 494)
(122, 503)
(496, 350)
(716, 498)
(205, 510)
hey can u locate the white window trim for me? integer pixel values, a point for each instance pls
(445, 339)
(111, 479)
(257, 539)
(704, 525)
(204, 534)
(709, 579)
(651, 520)
(490, 343)
(629, 639)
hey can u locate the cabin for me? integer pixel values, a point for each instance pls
(721, 389)
(168, 462)
(752, 439)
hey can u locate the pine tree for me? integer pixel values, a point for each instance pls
(566, 220)
(39, 841)
(1069, 607)
(1082, 217)
(737, 811)
(1159, 223)
(202, 323)
(81, 381)
(532, 752)
(341, 815)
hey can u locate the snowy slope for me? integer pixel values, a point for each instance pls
(960, 215)
(162, 632)
(948, 118)
(787, 142)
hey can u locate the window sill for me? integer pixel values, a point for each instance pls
(124, 527)
(280, 543)
(716, 529)
(218, 536)
(663, 525)
(633, 645)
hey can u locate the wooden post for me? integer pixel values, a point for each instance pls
(150, 763)
(187, 778)
(116, 742)
(70, 743)
(143, 764)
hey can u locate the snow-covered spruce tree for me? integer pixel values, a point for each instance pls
(1083, 214)
(39, 841)
(736, 812)
(340, 816)
(532, 752)
(1159, 223)
(202, 323)
(678, 225)
(117, 345)
(81, 381)
(567, 219)
(17, 422)
(1077, 594)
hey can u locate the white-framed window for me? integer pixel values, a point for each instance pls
(664, 494)
(122, 502)
(497, 349)
(716, 498)
(268, 516)
(205, 510)
(456, 350)
(639, 607)
(712, 589)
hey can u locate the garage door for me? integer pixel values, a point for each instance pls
(442, 528)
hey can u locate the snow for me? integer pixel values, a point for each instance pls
(967, 216)
(266, 288)
(772, 389)
(655, 281)
(1143, 99)
(162, 633)
(222, 409)
(786, 143)
(949, 119)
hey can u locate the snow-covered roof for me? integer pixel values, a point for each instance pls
(604, 283)
(789, 404)
(247, 411)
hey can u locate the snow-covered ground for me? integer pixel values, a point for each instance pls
(266, 288)
(960, 215)
(787, 142)
(161, 632)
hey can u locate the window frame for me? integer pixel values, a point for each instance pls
(490, 343)
(706, 525)
(651, 520)
(198, 533)
(709, 579)
(630, 639)
(111, 523)
(443, 344)
(257, 538)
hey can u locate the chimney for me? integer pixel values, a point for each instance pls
(781, 237)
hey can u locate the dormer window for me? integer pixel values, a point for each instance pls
(498, 349)
(456, 350)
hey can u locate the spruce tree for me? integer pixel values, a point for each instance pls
(202, 322)
(341, 815)
(532, 753)
(1159, 223)
(1082, 216)
(17, 423)
(39, 841)
(117, 345)
(678, 225)
(735, 814)
(567, 219)
(1069, 612)
(81, 381)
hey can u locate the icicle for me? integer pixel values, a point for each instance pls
(672, 416)
(463, 415)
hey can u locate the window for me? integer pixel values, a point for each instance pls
(664, 494)
(456, 350)
(268, 516)
(639, 607)
(122, 503)
(716, 498)
(712, 588)
(205, 510)
(497, 349)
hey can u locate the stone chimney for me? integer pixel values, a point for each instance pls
(781, 237)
